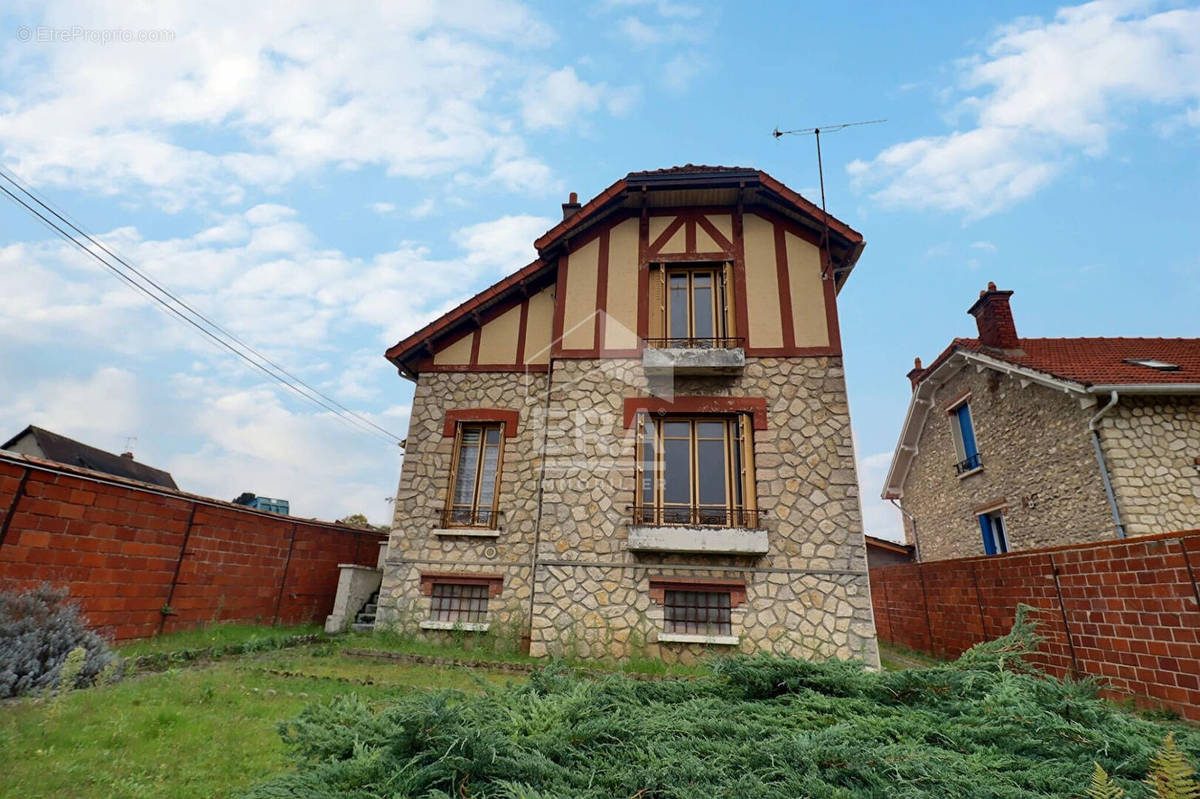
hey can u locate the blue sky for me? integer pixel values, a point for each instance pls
(324, 180)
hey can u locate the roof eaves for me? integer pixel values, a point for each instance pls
(580, 216)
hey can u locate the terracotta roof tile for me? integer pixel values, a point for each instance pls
(1095, 361)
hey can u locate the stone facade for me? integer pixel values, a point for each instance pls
(590, 596)
(1038, 460)
(1152, 445)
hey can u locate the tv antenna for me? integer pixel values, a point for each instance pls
(129, 442)
(816, 134)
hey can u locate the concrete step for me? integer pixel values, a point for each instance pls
(360, 627)
(370, 607)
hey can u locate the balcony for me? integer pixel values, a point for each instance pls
(969, 465)
(693, 356)
(697, 531)
(469, 522)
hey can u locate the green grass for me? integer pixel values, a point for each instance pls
(195, 732)
(219, 636)
(897, 658)
(480, 647)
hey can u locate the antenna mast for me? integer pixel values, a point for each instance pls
(827, 273)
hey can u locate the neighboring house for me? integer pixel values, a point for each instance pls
(1016, 443)
(640, 442)
(40, 443)
(881, 552)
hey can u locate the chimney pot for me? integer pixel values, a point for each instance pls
(915, 372)
(127, 455)
(571, 206)
(994, 319)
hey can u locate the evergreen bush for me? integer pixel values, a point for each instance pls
(39, 629)
(988, 726)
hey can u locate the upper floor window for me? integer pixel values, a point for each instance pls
(695, 471)
(995, 535)
(475, 479)
(690, 306)
(962, 428)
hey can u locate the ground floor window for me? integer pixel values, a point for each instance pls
(455, 602)
(698, 612)
(995, 535)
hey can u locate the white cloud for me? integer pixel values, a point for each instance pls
(383, 209)
(880, 518)
(679, 73)
(506, 242)
(1040, 95)
(102, 408)
(555, 99)
(417, 88)
(986, 246)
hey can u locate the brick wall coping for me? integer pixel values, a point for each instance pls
(1139, 539)
(53, 467)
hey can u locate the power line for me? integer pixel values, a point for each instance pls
(220, 337)
(816, 133)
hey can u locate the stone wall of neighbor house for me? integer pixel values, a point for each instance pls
(1038, 461)
(807, 597)
(425, 480)
(1152, 445)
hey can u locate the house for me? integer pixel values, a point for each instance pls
(41, 443)
(882, 552)
(640, 442)
(1016, 443)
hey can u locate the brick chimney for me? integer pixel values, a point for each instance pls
(915, 372)
(994, 318)
(571, 206)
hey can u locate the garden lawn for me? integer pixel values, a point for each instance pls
(192, 732)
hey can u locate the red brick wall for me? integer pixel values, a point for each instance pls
(120, 551)
(1125, 611)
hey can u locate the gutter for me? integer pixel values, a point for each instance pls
(1112, 500)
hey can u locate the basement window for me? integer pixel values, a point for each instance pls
(455, 602)
(698, 612)
(1153, 363)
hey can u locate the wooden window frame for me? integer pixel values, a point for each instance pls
(740, 497)
(450, 507)
(722, 298)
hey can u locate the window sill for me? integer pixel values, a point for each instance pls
(466, 626)
(965, 475)
(693, 638)
(467, 532)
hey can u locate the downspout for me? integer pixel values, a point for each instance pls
(527, 638)
(1112, 500)
(912, 520)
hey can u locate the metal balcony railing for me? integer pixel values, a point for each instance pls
(670, 516)
(969, 464)
(485, 518)
(693, 343)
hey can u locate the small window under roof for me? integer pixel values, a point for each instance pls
(1154, 363)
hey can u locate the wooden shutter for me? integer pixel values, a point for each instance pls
(657, 300)
(727, 298)
(749, 492)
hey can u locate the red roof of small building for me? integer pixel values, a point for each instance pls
(1094, 361)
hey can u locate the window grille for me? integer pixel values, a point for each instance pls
(698, 612)
(458, 602)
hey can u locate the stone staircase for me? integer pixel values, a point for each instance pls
(364, 620)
